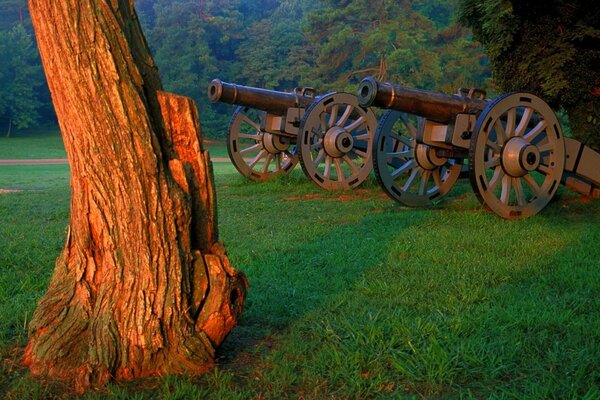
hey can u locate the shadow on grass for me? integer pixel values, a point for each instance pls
(455, 305)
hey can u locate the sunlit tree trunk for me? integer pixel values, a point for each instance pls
(142, 287)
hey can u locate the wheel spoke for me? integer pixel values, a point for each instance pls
(500, 133)
(359, 122)
(496, 178)
(360, 153)
(411, 129)
(334, 113)
(251, 149)
(437, 178)
(511, 116)
(546, 147)
(425, 176)
(338, 168)
(317, 145)
(494, 162)
(278, 161)
(411, 179)
(525, 119)
(327, 171)
(402, 139)
(267, 162)
(362, 136)
(323, 122)
(519, 191)
(249, 121)
(256, 138)
(544, 169)
(403, 168)
(319, 158)
(353, 166)
(506, 188)
(256, 159)
(345, 116)
(533, 185)
(400, 154)
(495, 146)
(533, 133)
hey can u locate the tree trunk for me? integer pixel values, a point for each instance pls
(142, 287)
(9, 130)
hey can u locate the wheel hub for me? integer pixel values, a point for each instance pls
(427, 158)
(519, 157)
(275, 144)
(338, 142)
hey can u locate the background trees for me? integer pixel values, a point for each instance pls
(552, 48)
(24, 95)
(281, 44)
(548, 47)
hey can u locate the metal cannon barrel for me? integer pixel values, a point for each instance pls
(261, 99)
(437, 107)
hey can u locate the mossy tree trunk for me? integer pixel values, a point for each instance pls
(142, 287)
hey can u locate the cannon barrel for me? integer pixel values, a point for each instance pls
(261, 99)
(438, 107)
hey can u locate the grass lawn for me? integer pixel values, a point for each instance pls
(352, 296)
(47, 143)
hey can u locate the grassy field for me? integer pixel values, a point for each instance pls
(46, 143)
(352, 296)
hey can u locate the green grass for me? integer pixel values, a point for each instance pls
(42, 143)
(352, 296)
(47, 143)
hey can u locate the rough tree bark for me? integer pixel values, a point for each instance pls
(142, 287)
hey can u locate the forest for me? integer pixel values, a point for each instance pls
(276, 44)
(331, 45)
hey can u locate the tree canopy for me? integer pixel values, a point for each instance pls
(550, 47)
(281, 44)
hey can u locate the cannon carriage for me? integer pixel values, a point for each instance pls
(514, 147)
(270, 132)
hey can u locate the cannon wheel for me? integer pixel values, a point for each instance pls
(397, 168)
(258, 155)
(335, 142)
(517, 155)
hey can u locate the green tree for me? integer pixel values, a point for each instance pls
(266, 53)
(20, 79)
(407, 42)
(549, 47)
(192, 43)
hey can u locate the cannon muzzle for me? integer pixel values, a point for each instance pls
(438, 107)
(215, 90)
(270, 101)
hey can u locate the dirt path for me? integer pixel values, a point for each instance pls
(64, 161)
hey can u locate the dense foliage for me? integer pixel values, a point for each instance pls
(24, 98)
(328, 45)
(280, 44)
(548, 47)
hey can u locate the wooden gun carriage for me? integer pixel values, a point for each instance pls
(270, 131)
(516, 152)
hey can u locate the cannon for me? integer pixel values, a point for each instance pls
(270, 132)
(513, 146)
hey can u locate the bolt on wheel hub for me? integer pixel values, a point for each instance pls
(274, 144)
(338, 142)
(427, 158)
(519, 157)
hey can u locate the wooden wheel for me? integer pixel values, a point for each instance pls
(409, 172)
(256, 154)
(517, 155)
(335, 142)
